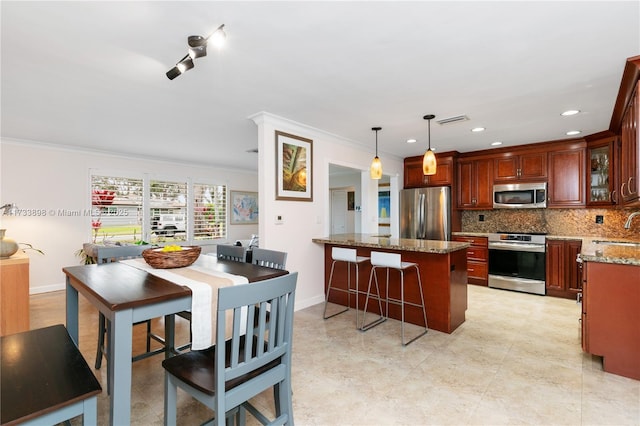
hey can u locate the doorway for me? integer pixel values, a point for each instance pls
(342, 219)
(372, 205)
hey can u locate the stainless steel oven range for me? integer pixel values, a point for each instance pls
(517, 262)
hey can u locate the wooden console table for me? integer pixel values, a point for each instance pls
(14, 294)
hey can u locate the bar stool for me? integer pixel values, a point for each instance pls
(339, 254)
(392, 261)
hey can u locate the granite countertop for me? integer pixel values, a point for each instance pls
(470, 234)
(603, 253)
(386, 242)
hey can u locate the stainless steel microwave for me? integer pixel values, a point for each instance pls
(520, 196)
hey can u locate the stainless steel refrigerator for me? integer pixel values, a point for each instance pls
(425, 213)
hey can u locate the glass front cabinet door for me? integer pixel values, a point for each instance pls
(600, 185)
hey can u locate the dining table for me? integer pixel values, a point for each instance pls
(126, 292)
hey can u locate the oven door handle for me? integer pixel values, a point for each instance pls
(535, 248)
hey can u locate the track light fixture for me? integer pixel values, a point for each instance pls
(376, 165)
(197, 49)
(429, 159)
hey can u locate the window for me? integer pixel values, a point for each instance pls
(129, 209)
(116, 208)
(210, 211)
(167, 210)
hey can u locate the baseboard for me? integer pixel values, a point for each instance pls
(47, 288)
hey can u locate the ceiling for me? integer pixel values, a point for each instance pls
(92, 74)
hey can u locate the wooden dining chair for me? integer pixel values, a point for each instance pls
(269, 258)
(229, 252)
(227, 375)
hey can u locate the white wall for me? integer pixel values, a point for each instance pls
(303, 221)
(43, 178)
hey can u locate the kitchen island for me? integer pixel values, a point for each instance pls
(610, 300)
(443, 269)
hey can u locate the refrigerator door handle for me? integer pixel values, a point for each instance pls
(421, 216)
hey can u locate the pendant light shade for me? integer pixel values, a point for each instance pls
(429, 160)
(376, 164)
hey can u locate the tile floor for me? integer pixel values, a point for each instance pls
(516, 360)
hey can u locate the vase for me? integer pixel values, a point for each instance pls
(8, 246)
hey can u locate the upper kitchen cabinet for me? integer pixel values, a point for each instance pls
(629, 151)
(566, 186)
(601, 172)
(624, 122)
(414, 178)
(520, 167)
(475, 183)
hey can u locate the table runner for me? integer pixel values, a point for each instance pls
(204, 283)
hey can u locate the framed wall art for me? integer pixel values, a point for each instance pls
(244, 207)
(294, 167)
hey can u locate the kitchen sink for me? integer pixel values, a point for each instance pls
(617, 243)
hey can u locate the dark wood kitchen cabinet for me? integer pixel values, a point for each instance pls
(475, 184)
(610, 316)
(563, 273)
(630, 151)
(520, 167)
(414, 178)
(566, 186)
(477, 259)
(625, 122)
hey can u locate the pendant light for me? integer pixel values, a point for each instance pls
(376, 164)
(429, 159)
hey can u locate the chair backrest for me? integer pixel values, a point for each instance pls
(386, 260)
(258, 358)
(269, 258)
(229, 252)
(344, 254)
(115, 253)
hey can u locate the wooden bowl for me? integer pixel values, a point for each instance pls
(159, 259)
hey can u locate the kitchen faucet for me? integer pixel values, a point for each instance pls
(627, 224)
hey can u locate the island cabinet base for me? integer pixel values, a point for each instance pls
(444, 284)
(611, 316)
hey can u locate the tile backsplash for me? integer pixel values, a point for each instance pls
(562, 222)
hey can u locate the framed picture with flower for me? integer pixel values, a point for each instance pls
(294, 167)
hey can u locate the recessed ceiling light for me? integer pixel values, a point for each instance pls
(478, 129)
(411, 141)
(496, 143)
(573, 132)
(570, 112)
